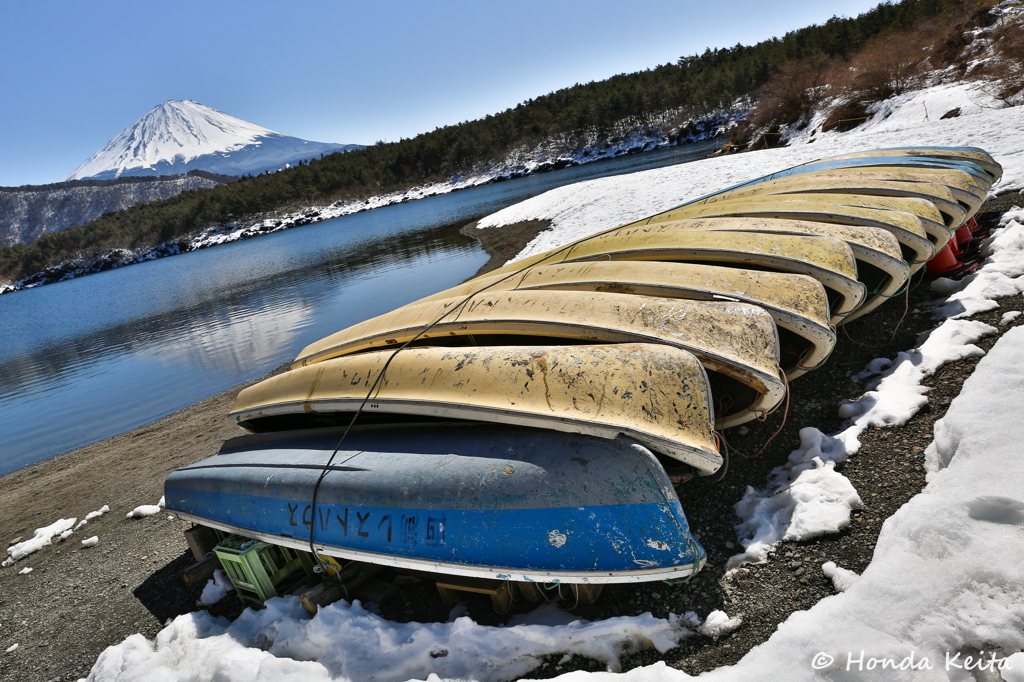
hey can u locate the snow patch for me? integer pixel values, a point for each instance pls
(91, 542)
(842, 579)
(146, 510)
(718, 623)
(216, 588)
(41, 538)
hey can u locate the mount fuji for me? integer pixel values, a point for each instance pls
(182, 135)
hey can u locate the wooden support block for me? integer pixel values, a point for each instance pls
(531, 592)
(201, 540)
(352, 576)
(320, 595)
(587, 594)
(498, 590)
(200, 571)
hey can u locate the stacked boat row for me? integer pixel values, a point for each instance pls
(528, 424)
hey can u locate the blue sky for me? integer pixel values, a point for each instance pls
(76, 74)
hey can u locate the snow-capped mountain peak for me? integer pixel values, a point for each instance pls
(182, 135)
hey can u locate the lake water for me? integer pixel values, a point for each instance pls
(92, 357)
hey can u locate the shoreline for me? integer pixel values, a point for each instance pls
(286, 218)
(80, 600)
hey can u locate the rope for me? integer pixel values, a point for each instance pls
(785, 415)
(906, 308)
(825, 126)
(722, 470)
(693, 548)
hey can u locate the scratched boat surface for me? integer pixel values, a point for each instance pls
(953, 214)
(830, 261)
(736, 342)
(464, 499)
(797, 303)
(880, 265)
(970, 194)
(910, 230)
(653, 393)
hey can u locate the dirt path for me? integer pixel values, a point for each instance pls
(77, 601)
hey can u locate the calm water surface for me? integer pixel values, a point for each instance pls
(100, 355)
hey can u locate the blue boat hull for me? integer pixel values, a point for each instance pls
(465, 499)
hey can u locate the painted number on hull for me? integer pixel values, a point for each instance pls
(407, 528)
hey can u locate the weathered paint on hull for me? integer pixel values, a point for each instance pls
(797, 303)
(972, 155)
(940, 196)
(656, 394)
(909, 229)
(737, 341)
(830, 261)
(880, 265)
(464, 499)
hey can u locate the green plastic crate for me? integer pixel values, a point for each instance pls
(259, 570)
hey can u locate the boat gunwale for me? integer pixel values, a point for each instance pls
(568, 577)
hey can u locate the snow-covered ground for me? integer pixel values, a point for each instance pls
(912, 119)
(947, 578)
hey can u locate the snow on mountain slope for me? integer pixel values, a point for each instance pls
(178, 136)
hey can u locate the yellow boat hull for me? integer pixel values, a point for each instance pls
(880, 265)
(830, 261)
(797, 303)
(736, 342)
(910, 230)
(655, 394)
(953, 214)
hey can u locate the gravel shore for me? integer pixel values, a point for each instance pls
(79, 600)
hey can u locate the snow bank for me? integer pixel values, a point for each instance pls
(806, 497)
(41, 538)
(581, 209)
(346, 642)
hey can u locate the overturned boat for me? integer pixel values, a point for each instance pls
(467, 499)
(880, 265)
(797, 303)
(916, 228)
(737, 343)
(655, 394)
(828, 260)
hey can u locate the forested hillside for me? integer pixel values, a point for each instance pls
(693, 86)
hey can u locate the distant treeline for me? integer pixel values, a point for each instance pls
(126, 180)
(697, 83)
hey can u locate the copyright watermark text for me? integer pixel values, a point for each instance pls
(859, 660)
